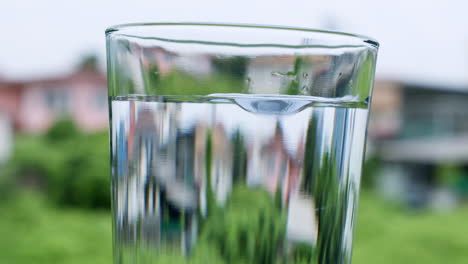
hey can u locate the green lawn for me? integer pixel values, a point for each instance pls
(33, 232)
(388, 234)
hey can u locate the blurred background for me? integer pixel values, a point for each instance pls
(54, 171)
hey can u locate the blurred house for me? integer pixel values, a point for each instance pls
(416, 131)
(164, 60)
(167, 61)
(222, 164)
(308, 75)
(34, 105)
(261, 69)
(271, 165)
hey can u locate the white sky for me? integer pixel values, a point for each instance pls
(421, 40)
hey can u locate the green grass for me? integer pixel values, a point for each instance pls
(388, 234)
(31, 231)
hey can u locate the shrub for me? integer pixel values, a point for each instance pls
(62, 130)
(82, 178)
(73, 168)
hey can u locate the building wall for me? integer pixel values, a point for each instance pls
(89, 107)
(34, 115)
(434, 113)
(8, 100)
(81, 97)
(386, 110)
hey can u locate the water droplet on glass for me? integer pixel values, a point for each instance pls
(289, 75)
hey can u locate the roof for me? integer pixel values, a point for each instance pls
(426, 150)
(425, 85)
(87, 75)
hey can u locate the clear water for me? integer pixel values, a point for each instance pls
(231, 178)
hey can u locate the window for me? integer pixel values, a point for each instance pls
(167, 57)
(57, 100)
(100, 98)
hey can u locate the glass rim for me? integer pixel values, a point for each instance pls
(369, 41)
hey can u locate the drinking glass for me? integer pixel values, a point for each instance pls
(236, 143)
